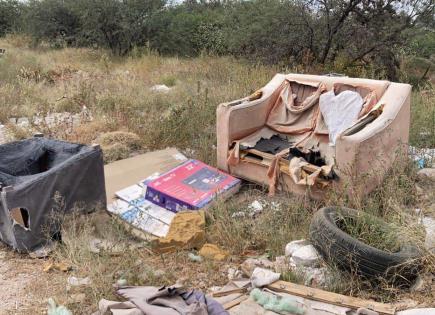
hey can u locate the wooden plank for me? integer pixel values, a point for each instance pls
(332, 298)
(235, 302)
(228, 292)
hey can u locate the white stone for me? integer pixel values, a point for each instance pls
(262, 277)
(293, 246)
(160, 88)
(306, 256)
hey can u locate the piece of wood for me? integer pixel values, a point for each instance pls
(228, 292)
(330, 297)
(235, 302)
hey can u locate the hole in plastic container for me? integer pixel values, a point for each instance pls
(21, 216)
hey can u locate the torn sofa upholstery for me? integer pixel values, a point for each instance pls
(365, 139)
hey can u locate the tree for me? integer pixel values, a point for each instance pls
(9, 15)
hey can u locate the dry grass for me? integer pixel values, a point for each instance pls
(127, 116)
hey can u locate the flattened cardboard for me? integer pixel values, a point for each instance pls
(124, 173)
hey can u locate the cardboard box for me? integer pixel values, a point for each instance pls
(192, 185)
(126, 198)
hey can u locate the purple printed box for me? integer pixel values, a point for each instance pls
(192, 185)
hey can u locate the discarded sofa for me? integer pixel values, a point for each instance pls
(308, 133)
(41, 180)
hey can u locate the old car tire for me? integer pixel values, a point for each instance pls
(348, 253)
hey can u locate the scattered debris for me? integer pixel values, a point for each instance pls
(53, 309)
(271, 302)
(262, 277)
(255, 208)
(234, 273)
(161, 88)
(211, 251)
(194, 258)
(424, 157)
(75, 282)
(250, 264)
(60, 266)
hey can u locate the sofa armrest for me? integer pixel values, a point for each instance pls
(373, 149)
(241, 118)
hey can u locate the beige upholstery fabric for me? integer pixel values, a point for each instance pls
(371, 149)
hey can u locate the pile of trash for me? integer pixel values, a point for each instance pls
(161, 197)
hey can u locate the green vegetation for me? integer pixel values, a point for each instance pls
(371, 231)
(352, 37)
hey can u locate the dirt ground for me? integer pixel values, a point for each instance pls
(17, 275)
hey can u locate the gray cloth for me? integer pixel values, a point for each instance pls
(171, 301)
(47, 179)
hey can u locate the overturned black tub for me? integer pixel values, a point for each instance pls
(40, 181)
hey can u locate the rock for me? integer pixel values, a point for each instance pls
(75, 282)
(250, 264)
(429, 225)
(293, 246)
(161, 88)
(262, 277)
(426, 174)
(306, 256)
